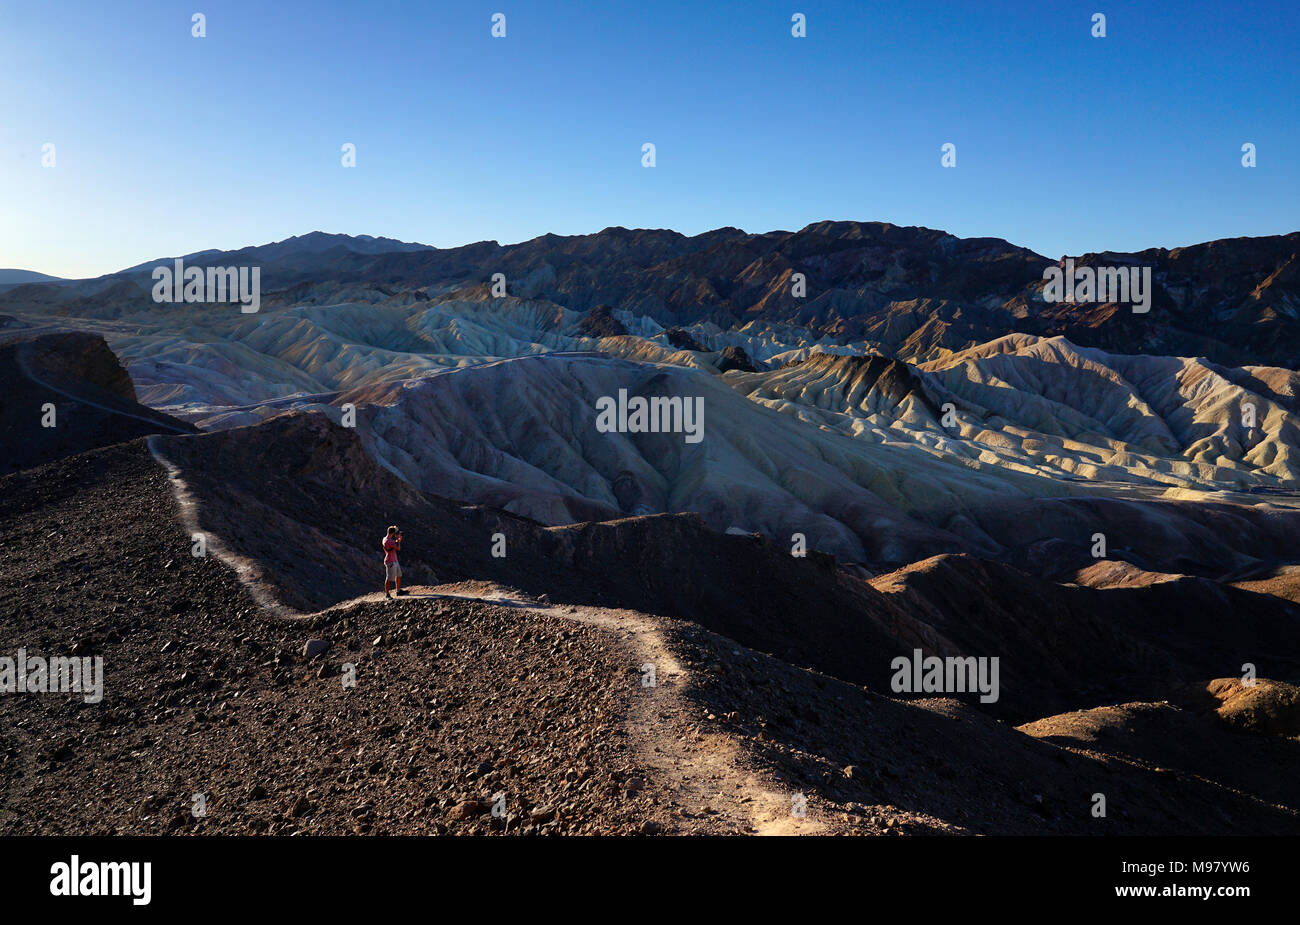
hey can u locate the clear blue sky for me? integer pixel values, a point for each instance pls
(168, 144)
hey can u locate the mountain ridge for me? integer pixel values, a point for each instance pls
(1234, 300)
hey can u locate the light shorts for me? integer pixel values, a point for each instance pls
(392, 571)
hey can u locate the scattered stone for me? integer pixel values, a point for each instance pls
(539, 815)
(468, 809)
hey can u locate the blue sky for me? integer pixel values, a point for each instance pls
(167, 144)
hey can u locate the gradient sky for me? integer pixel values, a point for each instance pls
(168, 144)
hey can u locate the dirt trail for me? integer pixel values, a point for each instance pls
(703, 773)
(247, 571)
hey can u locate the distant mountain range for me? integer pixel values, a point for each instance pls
(1234, 301)
(315, 248)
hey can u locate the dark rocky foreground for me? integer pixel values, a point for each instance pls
(453, 702)
(458, 699)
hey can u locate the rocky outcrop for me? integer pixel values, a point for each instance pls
(734, 358)
(683, 341)
(600, 322)
(64, 394)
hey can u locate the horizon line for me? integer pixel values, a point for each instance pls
(608, 228)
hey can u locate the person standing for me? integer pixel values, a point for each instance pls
(392, 544)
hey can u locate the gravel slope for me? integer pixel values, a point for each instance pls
(470, 690)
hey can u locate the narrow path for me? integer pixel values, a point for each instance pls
(249, 573)
(702, 773)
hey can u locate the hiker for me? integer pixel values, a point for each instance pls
(392, 571)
